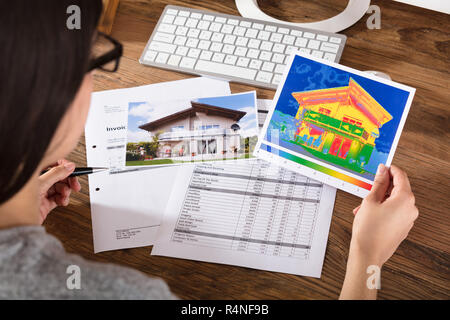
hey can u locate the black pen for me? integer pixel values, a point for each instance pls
(82, 171)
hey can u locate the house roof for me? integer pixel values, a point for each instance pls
(191, 112)
(360, 98)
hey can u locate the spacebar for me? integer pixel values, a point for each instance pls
(225, 69)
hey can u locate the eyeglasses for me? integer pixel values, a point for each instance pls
(106, 53)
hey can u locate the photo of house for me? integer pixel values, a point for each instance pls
(340, 123)
(217, 128)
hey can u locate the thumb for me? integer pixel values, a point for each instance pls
(380, 184)
(56, 174)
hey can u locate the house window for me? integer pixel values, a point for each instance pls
(177, 128)
(324, 111)
(207, 146)
(209, 126)
(351, 120)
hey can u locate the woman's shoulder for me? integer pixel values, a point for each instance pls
(34, 265)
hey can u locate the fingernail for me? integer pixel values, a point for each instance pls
(70, 166)
(381, 169)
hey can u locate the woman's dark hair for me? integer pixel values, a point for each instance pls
(42, 66)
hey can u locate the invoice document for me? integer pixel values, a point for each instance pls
(248, 213)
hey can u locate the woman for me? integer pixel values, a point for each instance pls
(44, 100)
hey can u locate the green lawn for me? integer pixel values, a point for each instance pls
(169, 161)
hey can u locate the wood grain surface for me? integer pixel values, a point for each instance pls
(413, 47)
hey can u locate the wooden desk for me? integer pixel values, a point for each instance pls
(413, 46)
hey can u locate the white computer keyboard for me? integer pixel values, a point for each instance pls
(239, 49)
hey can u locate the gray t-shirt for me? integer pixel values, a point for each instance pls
(34, 265)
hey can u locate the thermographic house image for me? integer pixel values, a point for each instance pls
(340, 123)
(202, 130)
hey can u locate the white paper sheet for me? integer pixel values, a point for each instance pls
(127, 207)
(248, 213)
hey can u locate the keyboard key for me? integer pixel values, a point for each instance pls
(263, 35)
(193, 33)
(182, 51)
(322, 37)
(279, 68)
(254, 43)
(221, 19)
(194, 53)
(317, 54)
(268, 66)
(278, 58)
(335, 40)
(179, 21)
(241, 51)
(168, 28)
(265, 55)
(174, 60)
(215, 27)
(329, 56)
(283, 30)
(216, 46)
(229, 39)
(276, 37)
(206, 55)
(181, 31)
(253, 53)
(168, 18)
(270, 28)
(228, 49)
(309, 35)
(289, 49)
(187, 63)
(217, 37)
(241, 41)
(278, 47)
(183, 13)
(204, 44)
(245, 24)
(255, 64)
(191, 23)
(218, 57)
(150, 55)
(229, 59)
(205, 35)
(203, 25)
(329, 47)
(239, 31)
(277, 79)
(228, 70)
(196, 15)
(288, 39)
(264, 76)
(258, 26)
(172, 11)
(233, 22)
(296, 33)
(304, 50)
(301, 42)
(192, 42)
(313, 44)
(227, 29)
(180, 40)
(162, 47)
(251, 33)
(242, 62)
(164, 37)
(162, 57)
(208, 17)
(266, 45)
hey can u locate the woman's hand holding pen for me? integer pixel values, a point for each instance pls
(56, 186)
